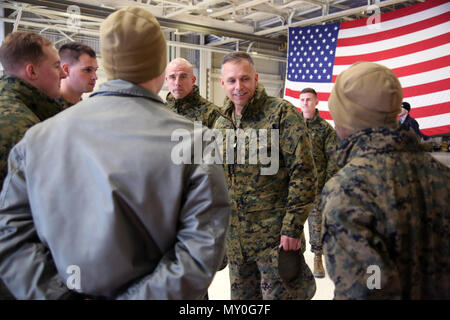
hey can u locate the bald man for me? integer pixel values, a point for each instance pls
(184, 97)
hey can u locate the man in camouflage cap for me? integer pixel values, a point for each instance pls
(31, 81)
(386, 211)
(268, 208)
(324, 141)
(184, 97)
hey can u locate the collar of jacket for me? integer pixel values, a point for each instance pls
(313, 119)
(375, 140)
(252, 108)
(38, 102)
(187, 102)
(119, 88)
(408, 117)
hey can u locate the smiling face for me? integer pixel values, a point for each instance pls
(239, 80)
(180, 79)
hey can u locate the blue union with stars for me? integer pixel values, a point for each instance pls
(311, 53)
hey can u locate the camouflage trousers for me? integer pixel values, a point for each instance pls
(315, 229)
(256, 281)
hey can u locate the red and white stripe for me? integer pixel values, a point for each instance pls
(415, 43)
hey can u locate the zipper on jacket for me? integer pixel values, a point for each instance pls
(230, 170)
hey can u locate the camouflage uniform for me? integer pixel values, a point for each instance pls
(388, 206)
(194, 107)
(324, 142)
(21, 106)
(264, 207)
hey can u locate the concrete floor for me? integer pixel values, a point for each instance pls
(220, 287)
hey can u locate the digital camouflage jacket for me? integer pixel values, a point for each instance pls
(264, 207)
(194, 107)
(324, 142)
(21, 106)
(387, 219)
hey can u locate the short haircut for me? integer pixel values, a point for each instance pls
(309, 90)
(236, 57)
(22, 47)
(71, 52)
(180, 62)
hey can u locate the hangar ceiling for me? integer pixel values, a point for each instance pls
(256, 26)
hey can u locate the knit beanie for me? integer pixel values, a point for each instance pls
(132, 45)
(406, 105)
(366, 95)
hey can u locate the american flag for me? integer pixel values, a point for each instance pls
(414, 42)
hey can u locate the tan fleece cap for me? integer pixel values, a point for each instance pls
(132, 45)
(366, 95)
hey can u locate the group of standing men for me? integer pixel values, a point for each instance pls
(262, 206)
(94, 187)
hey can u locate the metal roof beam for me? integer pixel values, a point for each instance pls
(316, 20)
(95, 12)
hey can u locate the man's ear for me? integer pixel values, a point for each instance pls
(66, 68)
(221, 82)
(31, 71)
(194, 78)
